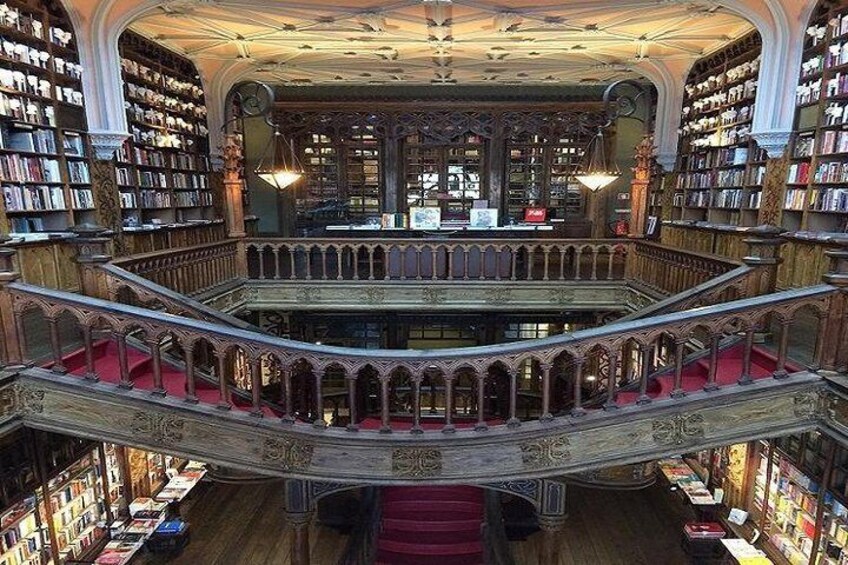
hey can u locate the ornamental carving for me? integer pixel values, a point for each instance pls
(158, 428)
(545, 452)
(416, 462)
(434, 295)
(30, 401)
(678, 429)
(308, 294)
(373, 295)
(498, 295)
(287, 453)
(8, 401)
(561, 296)
(806, 405)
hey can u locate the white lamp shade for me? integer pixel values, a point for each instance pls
(279, 179)
(596, 181)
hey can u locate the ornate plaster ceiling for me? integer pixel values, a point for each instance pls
(440, 41)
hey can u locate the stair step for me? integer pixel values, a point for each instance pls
(430, 549)
(445, 507)
(442, 539)
(417, 524)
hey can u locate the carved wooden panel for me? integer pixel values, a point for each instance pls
(50, 264)
(447, 296)
(774, 184)
(763, 409)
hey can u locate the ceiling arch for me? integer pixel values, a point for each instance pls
(439, 41)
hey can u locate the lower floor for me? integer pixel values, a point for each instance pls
(67, 501)
(243, 524)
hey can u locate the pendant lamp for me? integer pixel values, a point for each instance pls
(595, 172)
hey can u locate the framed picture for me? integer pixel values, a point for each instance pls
(535, 215)
(484, 217)
(429, 218)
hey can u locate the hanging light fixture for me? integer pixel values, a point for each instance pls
(279, 165)
(594, 171)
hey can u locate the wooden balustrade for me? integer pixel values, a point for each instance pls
(421, 260)
(671, 271)
(594, 351)
(663, 270)
(188, 271)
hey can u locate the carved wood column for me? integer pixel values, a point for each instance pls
(233, 186)
(393, 159)
(14, 341)
(94, 248)
(107, 201)
(764, 255)
(639, 186)
(551, 515)
(299, 510)
(497, 170)
(771, 201)
(833, 347)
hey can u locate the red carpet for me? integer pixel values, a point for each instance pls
(763, 365)
(431, 526)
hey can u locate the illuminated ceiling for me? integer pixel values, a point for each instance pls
(441, 41)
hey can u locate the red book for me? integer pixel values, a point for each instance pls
(704, 530)
(535, 215)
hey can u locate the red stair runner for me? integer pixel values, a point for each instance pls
(436, 525)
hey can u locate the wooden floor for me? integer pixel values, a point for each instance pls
(244, 525)
(614, 528)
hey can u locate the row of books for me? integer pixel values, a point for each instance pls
(727, 198)
(833, 171)
(82, 198)
(33, 141)
(171, 83)
(836, 54)
(830, 200)
(710, 179)
(78, 172)
(833, 142)
(794, 199)
(736, 73)
(26, 110)
(128, 200)
(187, 180)
(804, 147)
(193, 198)
(155, 98)
(155, 199)
(29, 169)
(25, 198)
(799, 173)
(152, 179)
(724, 137)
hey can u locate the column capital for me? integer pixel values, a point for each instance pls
(106, 143)
(774, 142)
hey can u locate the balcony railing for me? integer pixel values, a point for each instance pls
(305, 368)
(661, 269)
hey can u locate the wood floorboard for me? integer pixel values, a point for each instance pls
(614, 528)
(245, 525)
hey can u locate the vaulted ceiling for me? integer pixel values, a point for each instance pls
(441, 41)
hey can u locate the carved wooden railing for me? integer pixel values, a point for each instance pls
(190, 271)
(576, 350)
(670, 271)
(436, 259)
(127, 288)
(661, 269)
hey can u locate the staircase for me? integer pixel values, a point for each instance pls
(431, 526)
(140, 364)
(695, 373)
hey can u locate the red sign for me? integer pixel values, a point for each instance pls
(535, 214)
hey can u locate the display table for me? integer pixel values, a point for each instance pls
(681, 475)
(182, 484)
(741, 552)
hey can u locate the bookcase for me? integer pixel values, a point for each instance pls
(44, 150)
(73, 503)
(816, 193)
(721, 169)
(798, 467)
(163, 168)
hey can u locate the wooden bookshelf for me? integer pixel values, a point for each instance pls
(163, 168)
(721, 169)
(44, 150)
(816, 193)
